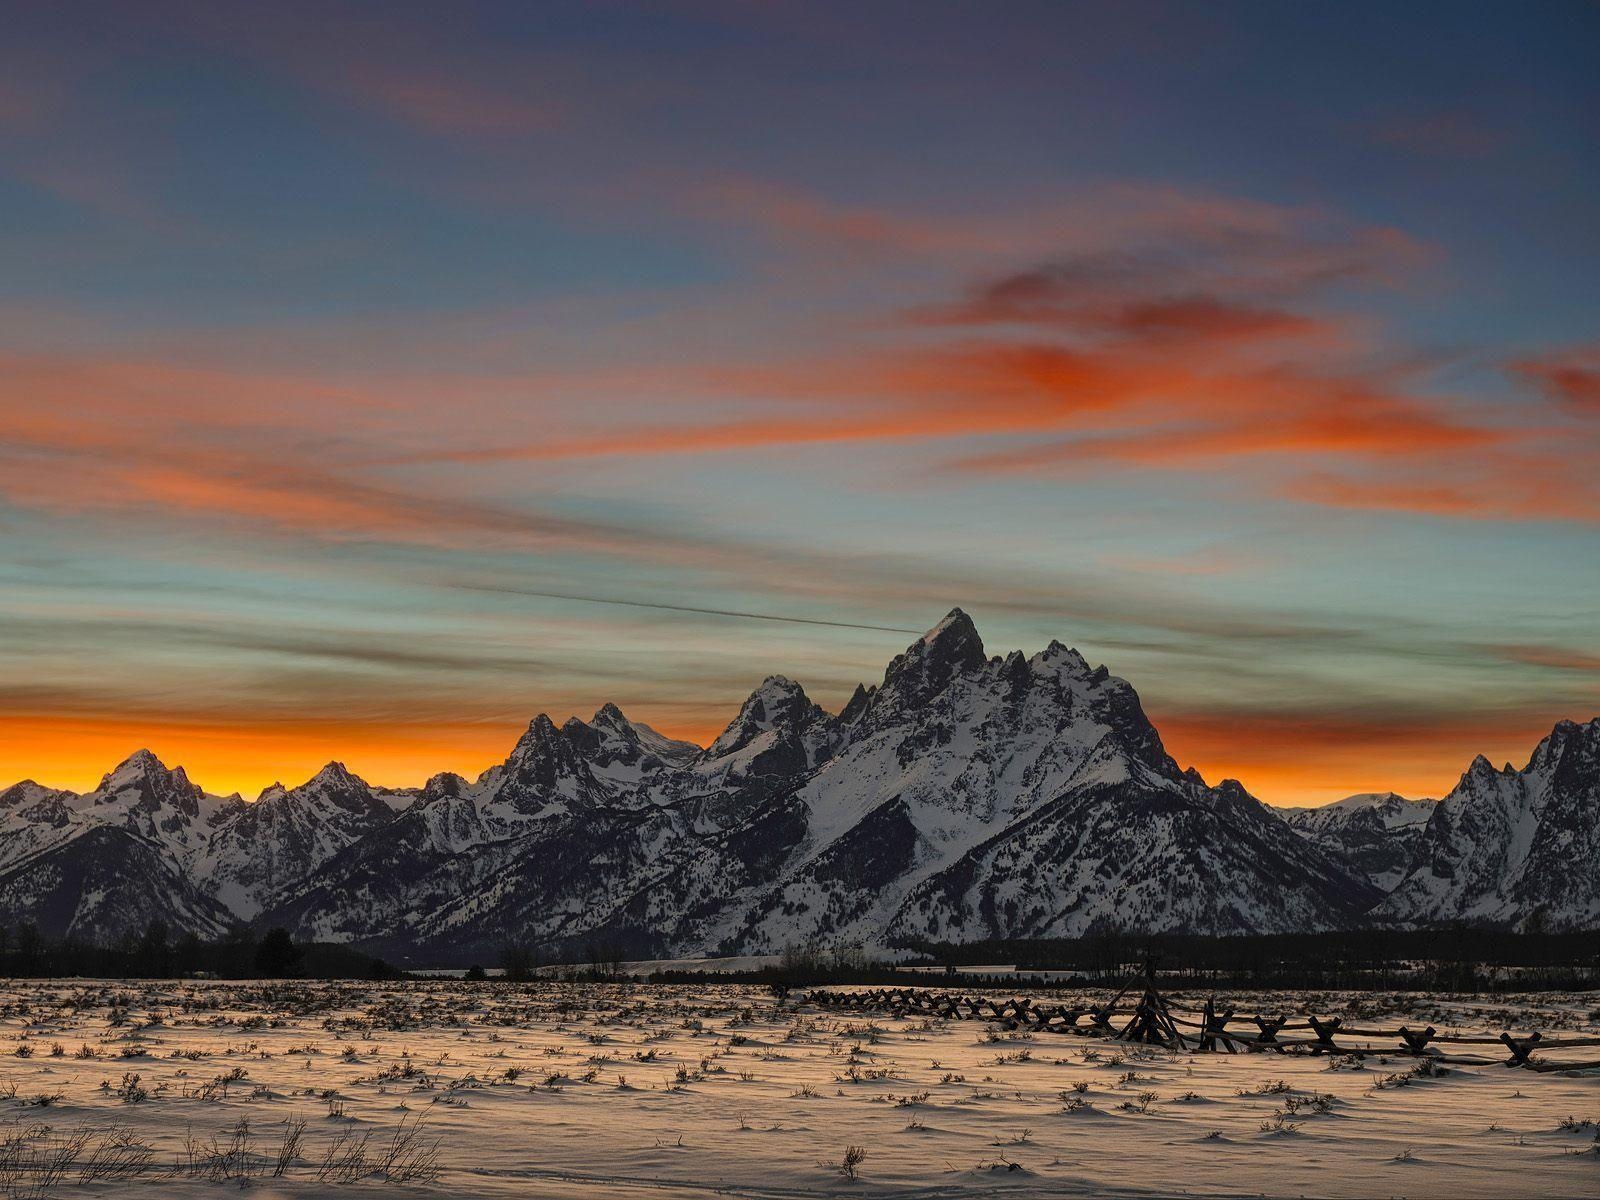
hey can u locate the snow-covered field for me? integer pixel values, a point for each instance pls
(453, 1089)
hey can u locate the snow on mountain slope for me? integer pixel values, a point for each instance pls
(778, 704)
(160, 805)
(1374, 835)
(962, 797)
(962, 782)
(1393, 809)
(1513, 847)
(34, 818)
(226, 856)
(285, 835)
(104, 884)
(930, 808)
(547, 846)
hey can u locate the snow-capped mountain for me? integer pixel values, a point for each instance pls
(34, 818)
(106, 884)
(104, 863)
(1373, 835)
(961, 797)
(269, 846)
(1513, 847)
(147, 843)
(160, 805)
(970, 797)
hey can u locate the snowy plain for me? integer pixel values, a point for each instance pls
(566, 1090)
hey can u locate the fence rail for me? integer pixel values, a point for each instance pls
(1139, 1012)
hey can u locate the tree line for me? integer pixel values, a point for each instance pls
(1452, 959)
(1439, 960)
(157, 953)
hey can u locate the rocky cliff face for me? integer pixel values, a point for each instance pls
(1374, 835)
(1513, 847)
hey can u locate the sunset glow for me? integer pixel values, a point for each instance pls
(371, 383)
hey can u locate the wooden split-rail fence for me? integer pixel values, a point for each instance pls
(1140, 1013)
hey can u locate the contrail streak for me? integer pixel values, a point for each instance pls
(685, 608)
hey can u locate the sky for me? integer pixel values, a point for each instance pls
(376, 376)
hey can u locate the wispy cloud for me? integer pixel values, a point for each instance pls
(637, 318)
(1203, 333)
(1555, 658)
(1571, 377)
(1442, 134)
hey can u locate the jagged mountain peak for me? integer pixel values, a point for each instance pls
(1390, 807)
(1482, 769)
(964, 797)
(1568, 728)
(608, 721)
(336, 774)
(543, 742)
(334, 789)
(955, 626)
(1367, 800)
(1568, 740)
(778, 703)
(28, 791)
(444, 784)
(139, 766)
(950, 650)
(1509, 847)
(1372, 834)
(1056, 687)
(778, 691)
(553, 770)
(954, 638)
(333, 781)
(145, 781)
(611, 740)
(543, 750)
(609, 716)
(253, 851)
(1061, 659)
(540, 729)
(859, 700)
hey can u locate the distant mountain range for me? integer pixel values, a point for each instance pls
(1373, 835)
(964, 797)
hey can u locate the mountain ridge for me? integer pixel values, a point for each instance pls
(962, 797)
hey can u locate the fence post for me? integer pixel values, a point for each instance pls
(1520, 1048)
(1269, 1027)
(1325, 1031)
(1416, 1043)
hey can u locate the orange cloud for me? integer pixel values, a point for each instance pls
(1570, 377)
(1196, 339)
(1554, 487)
(1199, 337)
(307, 501)
(252, 450)
(1552, 657)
